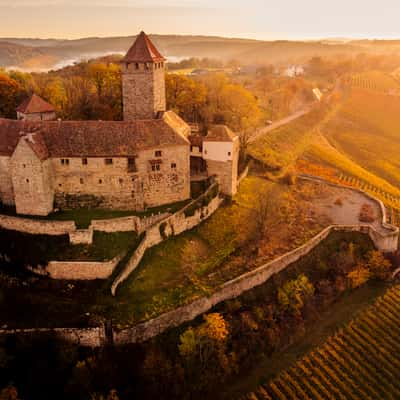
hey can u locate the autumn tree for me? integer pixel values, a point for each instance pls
(294, 293)
(185, 96)
(378, 265)
(359, 276)
(11, 95)
(203, 351)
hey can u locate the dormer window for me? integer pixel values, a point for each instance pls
(64, 161)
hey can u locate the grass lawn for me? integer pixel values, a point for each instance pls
(84, 216)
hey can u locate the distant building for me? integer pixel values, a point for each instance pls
(293, 71)
(143, 161)
(35, 108)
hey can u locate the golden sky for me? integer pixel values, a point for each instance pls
(259, 19)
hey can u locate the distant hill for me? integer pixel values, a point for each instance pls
(20, 52)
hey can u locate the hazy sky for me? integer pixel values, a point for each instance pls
(261, 19)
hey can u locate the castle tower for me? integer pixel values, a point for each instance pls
(143, 80)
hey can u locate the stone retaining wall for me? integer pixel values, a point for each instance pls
(173, 225)
(87, 337)
(36, 226)
(78, 270)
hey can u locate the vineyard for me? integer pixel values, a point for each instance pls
(359, 362)
(373, 80)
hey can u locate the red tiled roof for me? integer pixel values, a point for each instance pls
(88, 138)
(35, 104)
(143, 50)
(220, 133)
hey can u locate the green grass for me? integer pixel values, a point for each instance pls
(84, 216)
(40, 249)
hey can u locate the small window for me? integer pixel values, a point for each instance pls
(64, 161)
(84, 161)
(158, 153)
(156, 167)
(136, 65)
(229, 153)
(121, 181)
(24, 165)
(173, 165)
(132, 164)
(81, 181)
(100, 181)
(191, 148)
(59, 185)
(27, 181)
(108, 161)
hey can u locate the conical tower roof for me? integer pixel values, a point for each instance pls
(143, 50)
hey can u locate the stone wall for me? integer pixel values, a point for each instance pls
(6, 188)
(173, 225)
(36, 226)
(86, 337)
(32, 181)
(92, 182)
(80, 270)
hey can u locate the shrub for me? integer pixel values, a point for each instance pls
(358, 276)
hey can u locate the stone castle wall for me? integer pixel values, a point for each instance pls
(32, 181)
(100, 185)
(6, 188)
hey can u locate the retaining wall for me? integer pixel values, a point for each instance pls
(87, 337)
(173, 225)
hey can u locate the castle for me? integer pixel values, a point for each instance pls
(147, 160)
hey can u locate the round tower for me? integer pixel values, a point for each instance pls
(143, 80)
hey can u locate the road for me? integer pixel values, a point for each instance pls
(281, 122)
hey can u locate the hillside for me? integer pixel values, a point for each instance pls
(252, 51)
(358, 362)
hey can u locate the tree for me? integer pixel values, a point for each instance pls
(358, 276)
(378, 265)
(293, 294)
(203, 351)
(11, 95)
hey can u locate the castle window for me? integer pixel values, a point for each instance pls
(136, 65)
(229, 153)
(64, 161)
(27, 181)
(24, 165)
(173, 165)
(59, 184)
(156, 167)
(158, 153)
(100, 181)
(108, 161)
(84, 161)
(121, 181)
(132, 164)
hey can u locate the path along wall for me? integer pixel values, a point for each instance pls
(173, 225)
